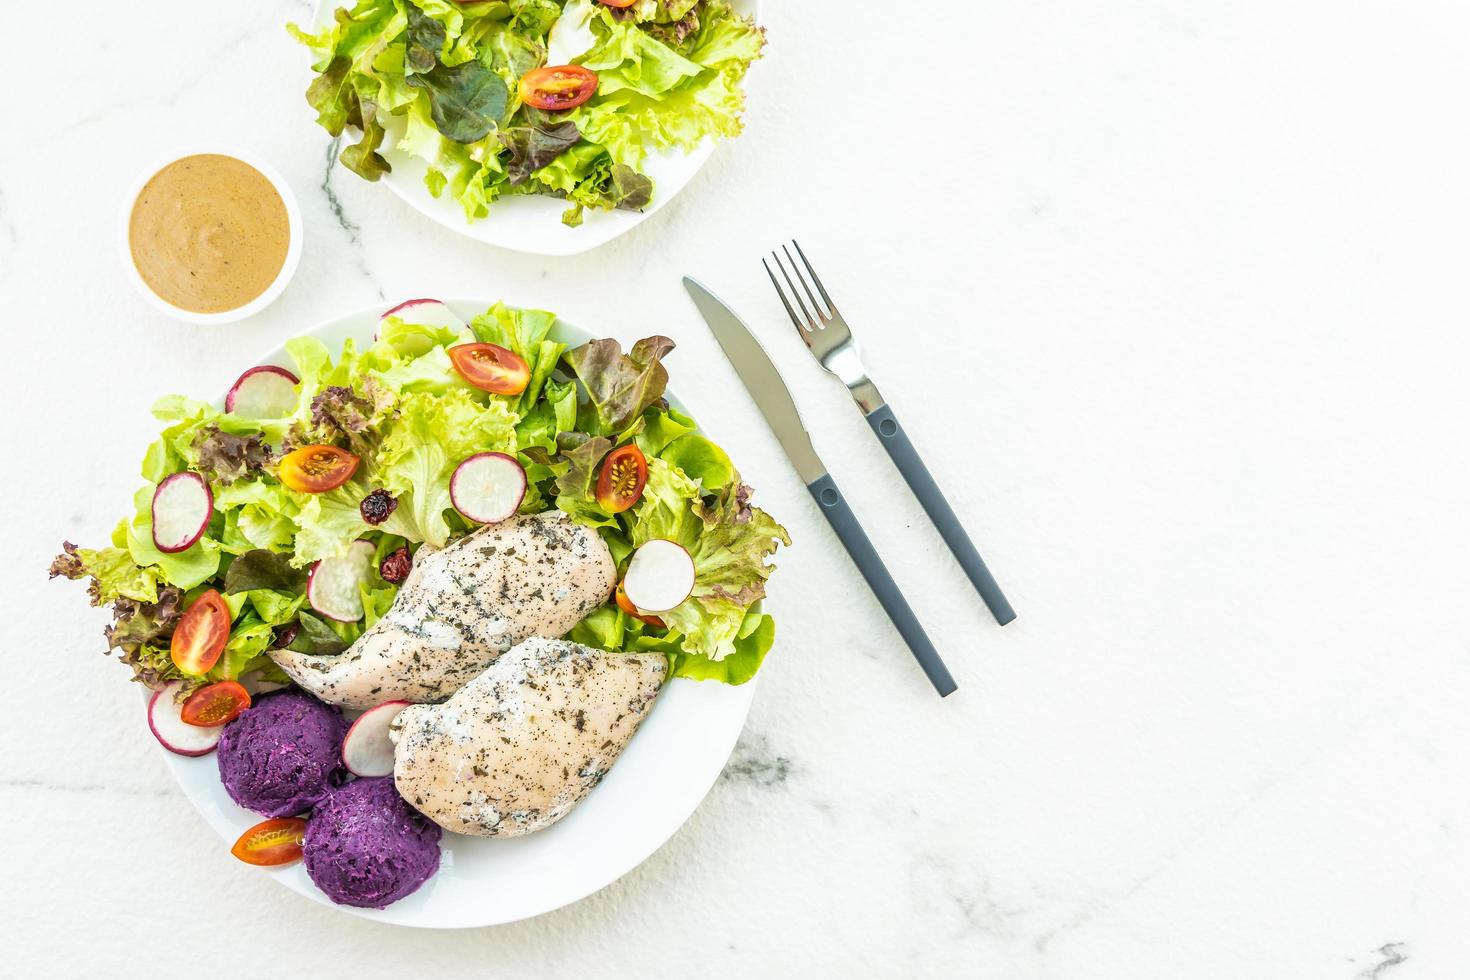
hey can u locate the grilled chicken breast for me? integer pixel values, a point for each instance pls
(519, 746)
(464, 606)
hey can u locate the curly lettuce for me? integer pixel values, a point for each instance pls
(402, 408)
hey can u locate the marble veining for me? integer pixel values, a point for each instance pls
(339, 212)
(1389, 955)
(753, 763)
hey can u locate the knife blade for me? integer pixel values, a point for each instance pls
(771, 395)
(761, 379)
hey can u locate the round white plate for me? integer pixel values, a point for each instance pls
(532, 223)
(660, 779)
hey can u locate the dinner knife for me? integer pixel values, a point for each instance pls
(771, 395)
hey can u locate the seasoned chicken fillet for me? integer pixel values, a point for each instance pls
(462, 607)
(519, 746)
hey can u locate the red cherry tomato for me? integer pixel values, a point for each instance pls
(215, 705)
(201, 635)
(618, 3)
(273, 842)
(317, 469)
(626, 605)
(491, 368)
(623, 477)
(558, 87)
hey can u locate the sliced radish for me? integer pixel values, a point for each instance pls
(169, 728)
(182, 507)
(425, 312)
(366, 751)
(267, 392)
(488, 487)
(660, 576)
(334, 587)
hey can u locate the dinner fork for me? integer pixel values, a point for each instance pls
(831, 342)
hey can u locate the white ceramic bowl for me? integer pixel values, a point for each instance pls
(293, 247)
(531, 223)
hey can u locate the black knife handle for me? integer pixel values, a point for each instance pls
(906, 458)
(824, 491)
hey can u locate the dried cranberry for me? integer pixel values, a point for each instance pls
(285, 636)
(395, 567)
(377, 506)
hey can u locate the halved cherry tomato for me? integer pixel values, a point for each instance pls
(626, 605)
(215, 705)
(201, 635)
(623, 477)
(275, 841)
(317, 469)
(618, 3)
(491, 368)
(558, 87)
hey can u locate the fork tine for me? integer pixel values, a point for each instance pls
(815, 278)
(795, 321)
(812, 323)
(821, 311)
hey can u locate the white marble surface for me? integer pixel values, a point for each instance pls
(1171, 295)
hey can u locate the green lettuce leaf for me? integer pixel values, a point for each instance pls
(662, 426)
(753, 640)
(729, 541)
(314, 636)
(526, 333)
(631, 59)
(700, 460)
(328, 522)
(667, 508)
(250, 638)
(276, 608)
(113, 573)
(430, 437)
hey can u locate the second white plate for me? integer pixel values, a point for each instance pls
(533, 223)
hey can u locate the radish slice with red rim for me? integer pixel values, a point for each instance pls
(172, 732)
(367, 750)
(334, 587)
(182, 507)
(425, 312)
(488, 488)
(266, 392)
(660, 576)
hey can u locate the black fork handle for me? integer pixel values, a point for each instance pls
(850, 532)
(916, 474)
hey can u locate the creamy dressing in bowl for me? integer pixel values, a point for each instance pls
(211, 236)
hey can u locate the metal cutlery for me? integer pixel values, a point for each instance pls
(827, 336)
(768, 389)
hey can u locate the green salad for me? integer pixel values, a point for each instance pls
(354, 455)
(566, 98)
